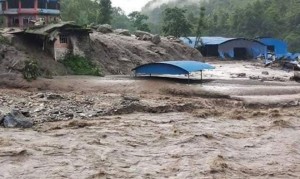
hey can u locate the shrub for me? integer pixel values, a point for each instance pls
(31, 70)
(80, 65)
(3, 40)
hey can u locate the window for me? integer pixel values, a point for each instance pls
(13, 4)
(63, 39)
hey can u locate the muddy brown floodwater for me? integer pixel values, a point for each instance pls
(117, 127)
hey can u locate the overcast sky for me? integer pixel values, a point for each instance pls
(129, 5)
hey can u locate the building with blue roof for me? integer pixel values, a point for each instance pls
(241, 48)
(238, 48)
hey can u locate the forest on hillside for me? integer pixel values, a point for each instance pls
(231, 18)
(238, 18)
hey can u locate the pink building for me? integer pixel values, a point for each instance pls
(25, 13)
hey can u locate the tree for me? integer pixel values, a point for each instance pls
(105, 12)
(81, 11)
(175, 22)
(138, 21)
(200, 26)
(120, 20)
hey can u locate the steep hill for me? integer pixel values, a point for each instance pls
(118, 54)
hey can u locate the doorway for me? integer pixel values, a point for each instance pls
(240, 53)
(271, 48)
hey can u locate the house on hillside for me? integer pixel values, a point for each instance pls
(237, 48)
(58, 39)
(27, 13)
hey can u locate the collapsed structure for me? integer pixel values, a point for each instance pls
(40, 20)
(59, 39)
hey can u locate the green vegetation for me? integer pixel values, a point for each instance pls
(231, 18)
(31, 70)
(175, 22)
(200, 26)
(238, 18)
(86, 12)
(138, 21)
(3, 40)
(83, 12)
(120, 20)
(105, 12)
(80, 65)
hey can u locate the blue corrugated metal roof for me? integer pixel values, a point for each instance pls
(190, 41)
(281, 47)
(172, 67)
(214, 40)
(190, 66)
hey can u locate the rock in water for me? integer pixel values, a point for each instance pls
(156, 39)
(105, 28)
(16, 120)
(1, 118)
(265, 73)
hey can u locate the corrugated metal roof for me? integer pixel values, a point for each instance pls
(190, 41)
(45, 30)
(190, 66)
(280, 46)
(172, 67)
(214, 40)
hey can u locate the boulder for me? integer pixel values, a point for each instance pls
(141, 34)
(54, 96)
(156, 39)
(16, 119)
(146, 37)
(174, 39)
(105, 28)
(123, 32)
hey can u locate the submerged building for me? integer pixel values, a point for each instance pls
(27, 13)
